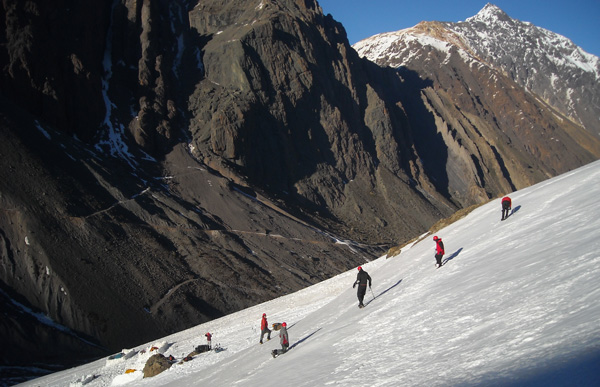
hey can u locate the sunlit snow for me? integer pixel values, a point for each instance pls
(516, 303)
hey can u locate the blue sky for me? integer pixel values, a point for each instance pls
(578, 20)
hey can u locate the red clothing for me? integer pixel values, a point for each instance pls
(507, 199)
(439, 246)
(263, 324)
(284, 341)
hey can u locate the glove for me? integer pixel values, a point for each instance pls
(353, 285)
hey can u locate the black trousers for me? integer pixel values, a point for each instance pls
(505, 209)
(266, 331)
(362, 290)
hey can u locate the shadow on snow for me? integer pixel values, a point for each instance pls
(382, 293)
(303, 339)
(454, 255)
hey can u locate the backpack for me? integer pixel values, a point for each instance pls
(202, 348)
(441, 244)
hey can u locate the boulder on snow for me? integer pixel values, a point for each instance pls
(155, 365)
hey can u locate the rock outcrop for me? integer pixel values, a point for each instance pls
(155, 365)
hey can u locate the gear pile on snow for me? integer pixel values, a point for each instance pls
(276, 326)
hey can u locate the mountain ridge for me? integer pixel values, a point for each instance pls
(546, 63)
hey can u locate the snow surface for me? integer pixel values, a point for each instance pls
(400, 48)
(516, 303)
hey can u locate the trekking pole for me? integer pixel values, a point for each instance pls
(372, 292)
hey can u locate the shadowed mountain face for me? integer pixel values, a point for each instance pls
(166, 162)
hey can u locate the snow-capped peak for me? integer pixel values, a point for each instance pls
(489, 15)
(543, 62)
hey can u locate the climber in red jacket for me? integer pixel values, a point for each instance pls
(439, 251)
(506, 206)
(209, 339)
(264, 328)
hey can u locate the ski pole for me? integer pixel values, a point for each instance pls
(372, 292)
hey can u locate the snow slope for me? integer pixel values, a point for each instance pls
(516, 303)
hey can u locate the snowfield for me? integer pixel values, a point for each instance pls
(516, 303)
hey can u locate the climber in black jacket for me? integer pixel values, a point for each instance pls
(361, 280)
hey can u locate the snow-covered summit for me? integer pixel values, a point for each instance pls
(494, 33)
(516, 303)
(543, 62)
(398, 48)
(489, 14)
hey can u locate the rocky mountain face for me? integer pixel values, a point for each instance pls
(540, 61)
(164, 163)
(497, 134)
